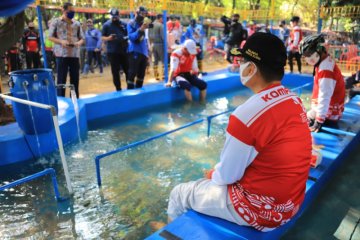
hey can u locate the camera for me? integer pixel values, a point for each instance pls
(149, 22)
(225, 20)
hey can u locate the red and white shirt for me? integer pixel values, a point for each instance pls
(295, 38)
(328, 92)
(180, 62)
(266, 158)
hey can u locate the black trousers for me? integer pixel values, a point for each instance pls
(298, 60)
(14, 60)
(32, 60)
(63, 66)
(118, 61)
(137, 68)
(50, 60)
(92, 55)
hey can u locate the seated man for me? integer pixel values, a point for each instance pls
(353, 85)
(184, 70)
(327, 104)
(259, 181)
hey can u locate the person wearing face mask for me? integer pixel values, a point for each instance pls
(31, 46)
(258, 155)
(184, 70)
(93, 46)
(138, 49)
(327, 103)
(68, 36)
(114, 33)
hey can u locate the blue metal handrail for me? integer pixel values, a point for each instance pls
(99, 157)
(208, 118)
(47, 171)
(299, 88)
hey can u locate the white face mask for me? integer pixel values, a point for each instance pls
(313, 59)
(245, 79)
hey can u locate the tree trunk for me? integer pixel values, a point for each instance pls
(11, 31)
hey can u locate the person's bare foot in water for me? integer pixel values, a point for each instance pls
(156, 225)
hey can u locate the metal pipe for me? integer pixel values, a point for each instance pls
(26, 102)
(57, 131)
(319, 26)
(38, 10)
(166, 77)
(62, 153)
(47, 171)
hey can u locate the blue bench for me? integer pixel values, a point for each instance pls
(337, 143)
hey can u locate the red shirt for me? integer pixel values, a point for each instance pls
(31, 39)
(183, 63)
(295, 38)
(328, 92)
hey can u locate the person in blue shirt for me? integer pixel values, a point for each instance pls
(195, 32)
(93, 46)
(138, 48)
(114, 33)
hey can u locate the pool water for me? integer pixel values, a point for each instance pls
(136, 182)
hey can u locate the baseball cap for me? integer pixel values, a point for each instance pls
(141, 9)
(264, 49)
(190, 46)
(114, 12)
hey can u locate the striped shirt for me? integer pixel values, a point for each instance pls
(71, 32)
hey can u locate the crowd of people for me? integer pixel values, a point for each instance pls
(131, 47)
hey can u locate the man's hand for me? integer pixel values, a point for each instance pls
(64, 43)
(168, 84)
(97, 50)
(78, 44)
(316, 126)
(144, 26)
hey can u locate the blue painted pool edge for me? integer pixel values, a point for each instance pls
(16, 147)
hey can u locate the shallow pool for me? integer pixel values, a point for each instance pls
(136, 183)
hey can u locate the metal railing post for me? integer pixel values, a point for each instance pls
(47, 171)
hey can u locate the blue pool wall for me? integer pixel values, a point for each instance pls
(15, 146)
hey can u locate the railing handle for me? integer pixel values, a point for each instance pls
(48, 171)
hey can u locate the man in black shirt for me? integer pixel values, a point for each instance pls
(234, 34)
(115, 34)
